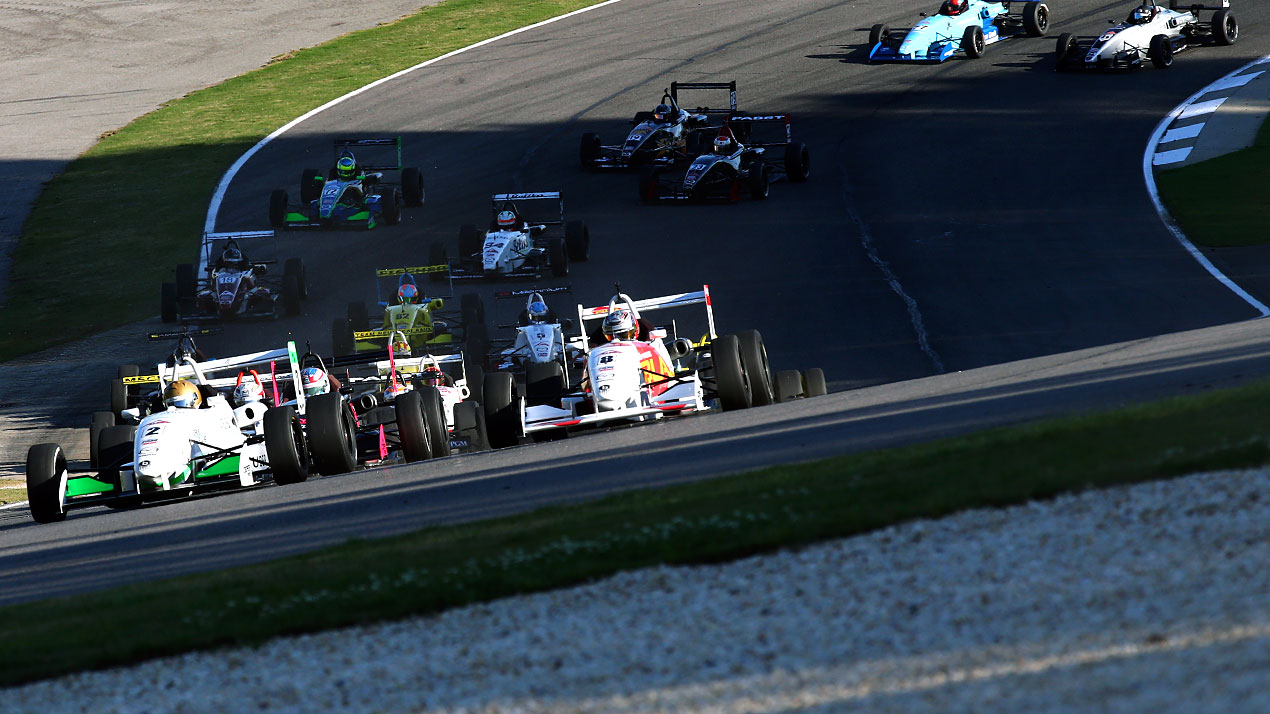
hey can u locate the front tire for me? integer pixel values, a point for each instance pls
(434, 419)
(412, 187)
(814, 382)
(757, 368)
(169, 304)
(46, 476)
(1161, 52)
(392, 207)
(278, 208)
(1066, 48)
(972, 42)
(331, 434)
(341, 338)
(557, 258)
(471, 242)
(1036, 19)
(310, 185)
(286, 446)
(589, 149)
(295, 266)
(760, 186)
(879, 33)
(411, 428)
(501, 420)
(797, 162)
(544, 382)
(100, 422)
(577, 239)
(787, 385)
(291, 294)
(648, 189)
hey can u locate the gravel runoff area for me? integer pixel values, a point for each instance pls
(1145, 598)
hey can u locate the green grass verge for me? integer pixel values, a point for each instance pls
(119, 219)
(716, 520)
(12, 495)
(1222, 202)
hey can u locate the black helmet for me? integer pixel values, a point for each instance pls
(663, 113)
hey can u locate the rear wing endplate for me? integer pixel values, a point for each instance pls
(730, 86)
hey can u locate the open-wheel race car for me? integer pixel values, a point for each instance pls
(747, 156)
(519, 242)
(351, 194)
(540, 354)
(968, 26)
(417, 319)
(1150, 32)
(666, 135)
(233, 286)
(635, 371)
(192, 434)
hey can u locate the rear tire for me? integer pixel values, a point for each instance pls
(557, 258)
(278, 208)
(471, 242)
(434, 419)
(472, 309)
(291, 294)
(310, 185)
(295, 266)
(501, 420)
(731, 381)
(757, 368)
(114, 446)
(169, 305)
(46, 476)
(469, 423)
(186, 282)
(411, 428)
(1036, 19)
(341, 338)
(1161, 52)
(118, 396)
(100, 422)
(286, 446)
(1225, 27)
(544, 382)
(412, 187)
(814, 382)
(331, 434)
(797, 162)
(391, 205)
(758, 180)
(577, 239)
(589, 150)
(787, 385)
(972, 42)
(648, 188)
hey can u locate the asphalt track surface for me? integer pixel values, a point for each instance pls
(959, 216)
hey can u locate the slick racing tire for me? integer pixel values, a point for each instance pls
(757, 368)
(114, 446)
(127, 370)
(186, 282)
(286, 446)
(797, 162)
(502, 420)
(731, 381)
(879, 33)
(295, 266)
(648, 188)
(358, 318)
(544, 383)
(310, 185)
(469, 424)
(169, 304)
(972, 42)
(434, 418)
(471, 243)
(472, 309)
(475, 375)
(1036, 19)
(118, 395)
(412, 186)
(411, 428)
(46, 476)
(1066, 48)
(100, 422)
(787, 385)
(341, 338)
(437, 256)
(476, 342)
(814, 382)
(589, 150)
(1161, 52)
(557, 258)
(278, 208)
(291, 294)
(1225, 28)
(577, 239)
(759, 183)
(332, 435)
(391, 205)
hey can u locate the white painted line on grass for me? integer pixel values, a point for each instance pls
(1164, 158)
(1148, 174)
(209, 225)
(1186, 132)
(1199, 108)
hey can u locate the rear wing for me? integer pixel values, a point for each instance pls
(387, 279)
(342, 145)
(508, 294)
(730, 86)
(658, 303)
(210, 239)
(1175, 5)
(498, 199)
(207, 373)
(743, 128)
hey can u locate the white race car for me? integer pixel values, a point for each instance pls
(175, 452)
(1151, 32)
(517, 244)
(540, 354)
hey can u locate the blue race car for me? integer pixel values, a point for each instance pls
(966, 25)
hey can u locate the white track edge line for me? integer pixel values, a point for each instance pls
(1148, 174)
(209, 225)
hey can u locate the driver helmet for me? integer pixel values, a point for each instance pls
(408, 294)
(620, 324)
(231, 256)
(663, 113)
(249, 391)
(182, 394)
(432, 376)
(507, 220)
(956, 7)
(346, 167)
(724, 145)
(396, 389)
(537, 308)
(314, 381)
(1144, 13)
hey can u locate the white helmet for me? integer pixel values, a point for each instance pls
(507, 220)
(249, 391)
(315, 381)
(724, 145)
(620, 324)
